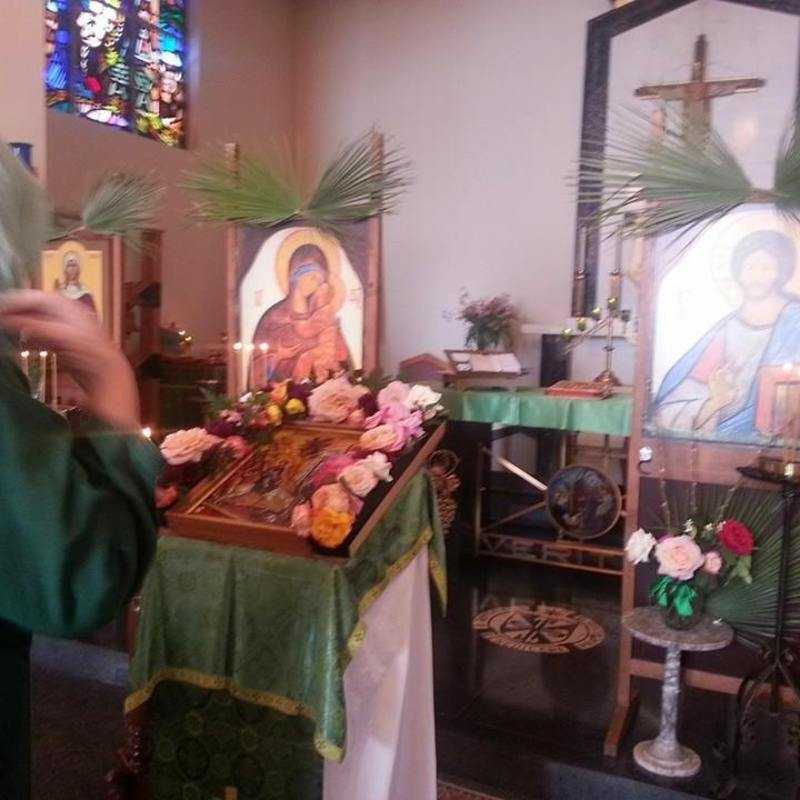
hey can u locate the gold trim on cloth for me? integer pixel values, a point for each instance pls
(327, 749)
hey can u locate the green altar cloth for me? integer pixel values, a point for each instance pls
(532, 408)
(275, 631)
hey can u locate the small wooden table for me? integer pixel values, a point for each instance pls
(664, 755)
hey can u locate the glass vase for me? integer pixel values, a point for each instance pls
(672, 619)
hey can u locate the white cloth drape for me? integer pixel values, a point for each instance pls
(391, 748)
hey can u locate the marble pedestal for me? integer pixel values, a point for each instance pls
(664, 755)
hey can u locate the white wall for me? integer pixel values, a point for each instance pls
(485, 97)
(239, 90)
(21, 88)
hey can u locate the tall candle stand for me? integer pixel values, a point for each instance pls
(603, 321)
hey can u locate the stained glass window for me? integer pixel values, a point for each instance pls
(119, 62)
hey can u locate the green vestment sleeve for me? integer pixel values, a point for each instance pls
(77, 531)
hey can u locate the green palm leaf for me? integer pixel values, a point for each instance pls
(672, 182)
(269, 190)
(122, 205)
(25, 215)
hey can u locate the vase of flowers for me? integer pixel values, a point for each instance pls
(692, 564)
(490, 322)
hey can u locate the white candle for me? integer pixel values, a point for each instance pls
(42, 390)
(24, 356)
(54, 382)
(237, 366)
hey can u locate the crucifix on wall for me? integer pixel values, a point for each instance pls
(697, 94)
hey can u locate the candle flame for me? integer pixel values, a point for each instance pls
(237, 346)
(25, 353)
(147, 432)
(43, 354)
(263, 347)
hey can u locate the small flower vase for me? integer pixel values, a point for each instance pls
(674, 620)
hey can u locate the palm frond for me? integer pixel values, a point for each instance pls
(268, 190)
(359, 183)
(25, 215)
(258, 191)
(748, 608)
(673, 182)
(122, 205)
(786, 191)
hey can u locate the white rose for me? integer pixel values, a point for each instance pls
(182, 447)
(380, 465)
(421, 396)
(639, 546)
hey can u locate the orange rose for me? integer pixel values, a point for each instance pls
(330, 528)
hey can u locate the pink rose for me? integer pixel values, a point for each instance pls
(391, 412)
(678, 557)
(301, 520)
(236, 446)
(332, 496)
(713, 563)
(330, 469)
(359, 478)
(357, 418)
(335, 400)
(183, 447)
(413, 425)
(389, 438)
(395, 392)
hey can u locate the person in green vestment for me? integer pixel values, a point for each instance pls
(77, 516)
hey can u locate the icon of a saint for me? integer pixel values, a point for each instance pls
(69, 285)
(716, 385)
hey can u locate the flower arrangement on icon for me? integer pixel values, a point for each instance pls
(391, 418)
(692, 564)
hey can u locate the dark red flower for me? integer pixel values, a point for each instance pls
(368, 404)
(300, 391)
(223, 428)
(737, 537)
(166, 496)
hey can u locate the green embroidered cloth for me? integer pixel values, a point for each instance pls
(273, 630)
(532, 408)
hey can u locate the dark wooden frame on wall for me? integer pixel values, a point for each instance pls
(600, 34)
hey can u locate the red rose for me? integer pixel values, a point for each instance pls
(738, 538)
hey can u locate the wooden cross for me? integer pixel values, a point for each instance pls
(697, 94)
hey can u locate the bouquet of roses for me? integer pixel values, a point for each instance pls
(234, 427)
(692, 564)
(393, 419)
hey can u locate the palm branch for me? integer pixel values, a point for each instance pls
(673, 182)
(268, 190)
(25, 215)
(121, 205)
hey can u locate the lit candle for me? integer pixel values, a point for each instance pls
(249, 367)
(24, 356)
(147, 432)
(54, 382)
(42, 390)
(237, 366)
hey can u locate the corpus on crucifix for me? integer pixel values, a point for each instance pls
(697, 94)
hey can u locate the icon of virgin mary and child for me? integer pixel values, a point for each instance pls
(716, 387)
(302, 330)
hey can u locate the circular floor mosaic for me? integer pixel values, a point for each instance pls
(538, 628)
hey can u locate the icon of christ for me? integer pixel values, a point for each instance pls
(718, 387)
